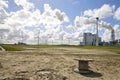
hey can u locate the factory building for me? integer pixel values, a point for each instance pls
(118, 42)
(115, 42)
(89, 39)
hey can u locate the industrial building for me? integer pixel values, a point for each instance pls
(115, 42)
(89, 39)
(118, 42)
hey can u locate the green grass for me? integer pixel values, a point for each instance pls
(72, 46)
(9, 47)
(100, 47)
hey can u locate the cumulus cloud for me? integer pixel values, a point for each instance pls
(71, 28)
(19, 23)
(61, 15)
(25, 4)
(80, 21)
(12, 24)
(3, 4)
(117, 31)
(53, 17)
(3, 13)
(19, 19)
(106, 35)
(117, 14)
(103, 12)
(3, 32)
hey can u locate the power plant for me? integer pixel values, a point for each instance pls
(90, 39)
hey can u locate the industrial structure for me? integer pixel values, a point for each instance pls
(112, 35)
(89, 39)
(103, 25)
(118, 42)
(97, 41)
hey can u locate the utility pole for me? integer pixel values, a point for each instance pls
(38, 36)
(97, 42)
(1, 38)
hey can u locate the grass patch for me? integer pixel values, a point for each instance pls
(9, 47)
(73, 46)
(102, 47)
(12, 47)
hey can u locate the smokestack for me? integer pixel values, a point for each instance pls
(97, 18)
(112, 35)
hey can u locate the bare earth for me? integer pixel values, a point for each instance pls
(58, 64)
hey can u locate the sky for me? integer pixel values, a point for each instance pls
(57, 21)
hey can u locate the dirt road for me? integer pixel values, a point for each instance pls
(58, 64)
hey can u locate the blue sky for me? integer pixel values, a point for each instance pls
(66, 14)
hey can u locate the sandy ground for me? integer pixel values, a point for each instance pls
(58, 64)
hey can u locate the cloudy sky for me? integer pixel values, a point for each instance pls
(57, 21)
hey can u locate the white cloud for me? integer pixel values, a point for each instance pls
(117, 31)
(18, 19)
(14, 23)
(54, 13)
(83, 21)
(103, 12)
(61, 15)
(51, 18)
(106, 35)
(18, 35)
(117, 14)
(49, 21)
(71, 28)
(3, 4)
(116, 27)
(3, 13)
(25, 4)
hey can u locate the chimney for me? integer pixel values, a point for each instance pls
(112, 35)
(97, 43)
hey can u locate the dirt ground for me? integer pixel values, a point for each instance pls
(58, 64)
